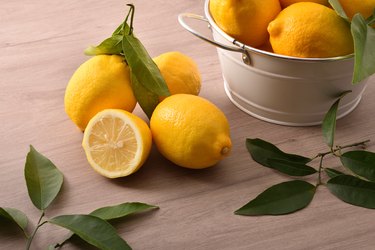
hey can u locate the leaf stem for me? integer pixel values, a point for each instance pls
(320, 170)
(30, 239)
(67, 237)
(338, 149)
(131, 13)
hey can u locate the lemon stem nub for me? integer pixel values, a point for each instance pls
(225, 150)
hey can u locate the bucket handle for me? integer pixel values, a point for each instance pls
(181, 20)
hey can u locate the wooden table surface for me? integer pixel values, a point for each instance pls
(42, 43)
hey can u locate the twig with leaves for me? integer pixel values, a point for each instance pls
(146, 80)
(357, 188)
(44, 181)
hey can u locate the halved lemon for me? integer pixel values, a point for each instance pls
(116, 143)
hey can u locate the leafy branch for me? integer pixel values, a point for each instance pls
(44, 182)
(146, 80)
(356, 188)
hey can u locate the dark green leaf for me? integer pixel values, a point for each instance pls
(332, 172)
(115, 212)
(329, 121)
(371, 19)
(282, 198)
(93, 230)
(146, 99)
(143, 67)
(43, 179)
(14, 215)
(338, 8)
(353, 190)
(364, 48)
(121, 210)
(110, 46)
(262, 151)
(361, 163)
(290, 167)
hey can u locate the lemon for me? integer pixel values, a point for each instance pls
(309, 29)
(116, 142)
(351, 7)
(245, 20)
(102, 82)
(180, 73)
(286, 3)
(190, 131)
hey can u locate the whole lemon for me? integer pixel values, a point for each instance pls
(102, 82)
(180, 73)
(286, 3)
(190, 131)
(245, 20)
(308, 29)
(351, 7)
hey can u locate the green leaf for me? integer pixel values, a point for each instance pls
(361, 163)
(146, 99)
(371, 19)
(43, 179)
(114, 212)
(143, 67)
(353, 190)
(121, 210)
(338, 8)
(332, 172)
(283, 198)
(291, 168)
(110, 46)
(364, 48)
(329, 121)
(14, 215)
(148, 83)
(122, 29)
(262, 151)
(93, 230)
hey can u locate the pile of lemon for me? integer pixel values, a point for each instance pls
(187, 129)
(299, 28)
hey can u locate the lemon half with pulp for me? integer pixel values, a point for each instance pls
(116, 143)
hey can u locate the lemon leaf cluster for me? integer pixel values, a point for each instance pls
(147, 82)
(355, 186)
(44, 181)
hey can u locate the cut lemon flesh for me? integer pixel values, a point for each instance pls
(116, 143)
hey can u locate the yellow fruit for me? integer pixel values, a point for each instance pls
(286, 3)
(190, 131)
(266, 46)
(102, 82)
(308, 29)
(180, 73)
(116, 143)
(245, 20)
(351, 7)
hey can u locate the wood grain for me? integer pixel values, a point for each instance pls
(41, 44)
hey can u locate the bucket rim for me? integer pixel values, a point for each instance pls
(260, 52)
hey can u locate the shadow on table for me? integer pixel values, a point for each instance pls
(9, 229)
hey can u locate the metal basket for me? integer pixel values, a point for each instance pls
(276, 88)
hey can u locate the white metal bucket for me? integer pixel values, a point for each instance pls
(281, 89)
